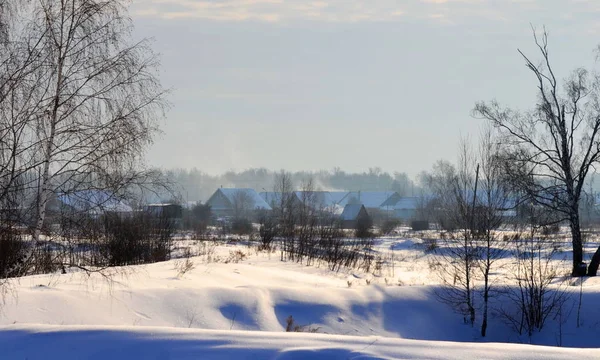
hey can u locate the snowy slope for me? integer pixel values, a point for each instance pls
(35, 342)
(246, 304)
(244, 296)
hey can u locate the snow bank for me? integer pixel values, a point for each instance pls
(239, 310)
(35, 342)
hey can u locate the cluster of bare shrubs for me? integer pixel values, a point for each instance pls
(388, 226)
(532, 289)
(241, 226)
(142, 240)
(308, 233)
(235, 256)
(13, 252)
(538, 291)
(471, 203)
(363, 229)
(197, 219)
(324, 241)
(87, 242)
(268, 230)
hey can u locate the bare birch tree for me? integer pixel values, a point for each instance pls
(550, 149)
(307, 222)
(286, 209)
(471, 198)
(97, 96)
(456, 260)
(494, 200)
(79, 101)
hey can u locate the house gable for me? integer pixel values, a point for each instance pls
(353, 212)
(219, 202)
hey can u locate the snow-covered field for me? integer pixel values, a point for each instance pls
(236, 306)
(115, 343)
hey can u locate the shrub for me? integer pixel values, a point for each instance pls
(363, 229)
(199, 218)
(235, 257)
(185, 265)
(267, 231)
(141, 238)
(13, 252)
(241, 226)
(430, 245)
(419, 225)
(538, 295)
(550, 229)
(389, 225)
(46, 260)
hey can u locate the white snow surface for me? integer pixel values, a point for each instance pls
(238, 310)
(116, 343)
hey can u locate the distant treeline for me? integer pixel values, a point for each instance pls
(195, 185)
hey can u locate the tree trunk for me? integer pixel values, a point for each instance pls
(52, 117)
(486, 298)
(44, 188)
(593, 268)
(41, 207)
(485, 320)
(578, 269)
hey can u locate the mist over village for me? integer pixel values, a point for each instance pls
(336, 179)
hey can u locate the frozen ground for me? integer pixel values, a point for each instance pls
(229, 307)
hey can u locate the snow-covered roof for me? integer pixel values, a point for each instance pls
(351, 212)
(336, 197)
(321, 198)
(324, 199)
(272, 197)
(408, 203)
(333, 199)
(371, 199)
(95, 201)
(257, 200)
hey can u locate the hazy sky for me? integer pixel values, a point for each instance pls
(307, 85)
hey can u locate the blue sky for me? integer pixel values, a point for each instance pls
(307, 85)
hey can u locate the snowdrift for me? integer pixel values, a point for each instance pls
(240, 310)
(35, 342)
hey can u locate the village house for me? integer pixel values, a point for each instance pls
(352, 214)
(236, 202)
